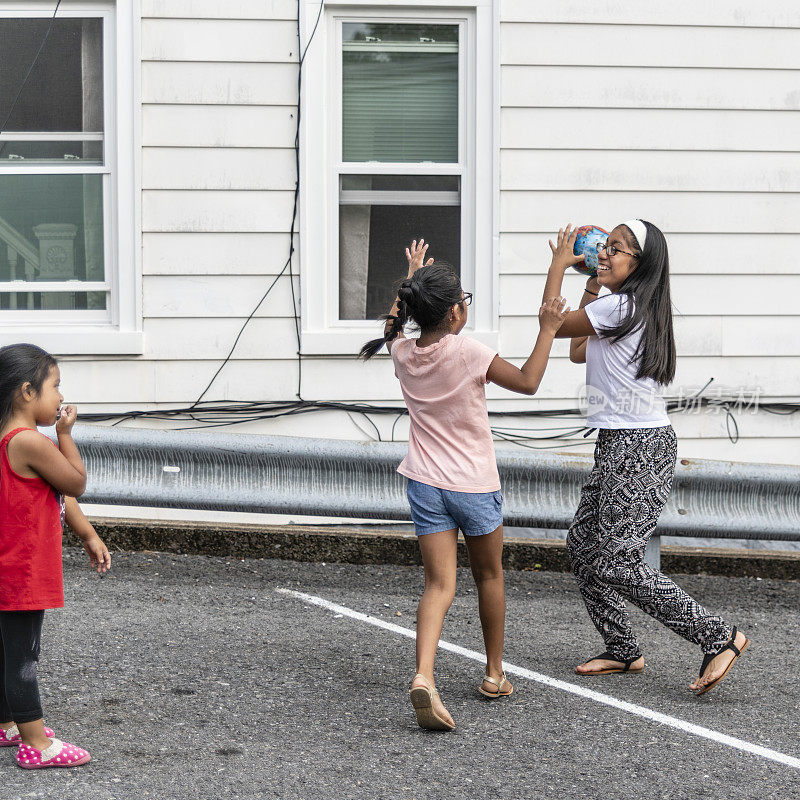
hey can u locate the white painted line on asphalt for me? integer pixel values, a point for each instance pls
(571, 688)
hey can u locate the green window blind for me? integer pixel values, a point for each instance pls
(400, 93)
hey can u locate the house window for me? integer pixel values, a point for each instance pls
(70, 208)
(401, 168)
(399, 141)
(54, 174)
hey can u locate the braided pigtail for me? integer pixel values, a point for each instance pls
(390, 331)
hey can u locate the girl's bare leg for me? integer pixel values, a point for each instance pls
(485, 559)
(439, 560)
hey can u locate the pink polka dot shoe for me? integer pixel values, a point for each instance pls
(11, 737)
(59, 754)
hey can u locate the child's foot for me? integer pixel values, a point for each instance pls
(431, 713)
(57, 754)
(10, 737)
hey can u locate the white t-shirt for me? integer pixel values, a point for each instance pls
(615, 397)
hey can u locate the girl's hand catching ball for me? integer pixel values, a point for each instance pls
(552, 314)
(98, 553)
(66, 419)
(416, 256)
(563, 250)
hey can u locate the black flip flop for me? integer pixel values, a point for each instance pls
(613, 670)
(708, 658)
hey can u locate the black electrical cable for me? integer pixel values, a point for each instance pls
(300, 62)
(239, 335)
(28, 74)
(394, 424)
(313, 31)
(366, 417)
(296, 201)
(224, 413)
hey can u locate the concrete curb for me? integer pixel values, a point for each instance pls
(354, 545)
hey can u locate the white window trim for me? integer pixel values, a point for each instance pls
(321, 334)
(122, 334)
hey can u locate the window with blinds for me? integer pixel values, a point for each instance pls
(53, 171)
(400, 172)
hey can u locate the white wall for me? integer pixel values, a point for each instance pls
(218, 120)
(686, 114)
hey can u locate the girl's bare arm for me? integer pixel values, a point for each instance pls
(95, 547)
(577, 345)
(526, 379)
(577, 350)
(33, 452)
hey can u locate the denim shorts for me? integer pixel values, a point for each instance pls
(434, 510)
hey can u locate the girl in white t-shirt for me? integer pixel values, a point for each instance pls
(452, 475)
(626, 340)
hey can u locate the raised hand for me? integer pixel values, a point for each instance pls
(552, 314)
(563, 250)
(416, 256)
(66, 419)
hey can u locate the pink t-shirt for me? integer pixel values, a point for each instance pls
(450, 445)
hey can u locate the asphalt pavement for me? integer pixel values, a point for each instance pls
(192, 677)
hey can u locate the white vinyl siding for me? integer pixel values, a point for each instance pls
(218, 174)
(217, 181)
(685, 113)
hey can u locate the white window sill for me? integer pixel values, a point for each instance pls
(66, 341)
(347, 342)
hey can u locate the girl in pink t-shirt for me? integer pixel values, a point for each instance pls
(451, 470)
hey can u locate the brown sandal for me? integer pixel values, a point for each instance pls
(499, 684)
(422, 700)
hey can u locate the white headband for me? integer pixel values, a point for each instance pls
(639, 230)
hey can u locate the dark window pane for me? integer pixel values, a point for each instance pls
(398, 32)
(51, 227)
(372, 242)
(63, 152)
(53, 301)
(401, 183)
(65, 89)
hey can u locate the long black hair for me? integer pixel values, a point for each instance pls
(21, 364)
(649, 307)
(425, 297)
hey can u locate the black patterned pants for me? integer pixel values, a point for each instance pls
(619, 507)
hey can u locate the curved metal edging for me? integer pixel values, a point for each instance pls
(335, 478)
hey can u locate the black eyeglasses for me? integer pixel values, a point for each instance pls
(611, 250)
(467, 298)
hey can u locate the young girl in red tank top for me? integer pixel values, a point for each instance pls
(37, 480)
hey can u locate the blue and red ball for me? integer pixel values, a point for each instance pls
(589, 236)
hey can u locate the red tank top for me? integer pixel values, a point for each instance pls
(31, 574)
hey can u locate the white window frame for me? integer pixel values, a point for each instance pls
(118, 330)
(322, 333)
